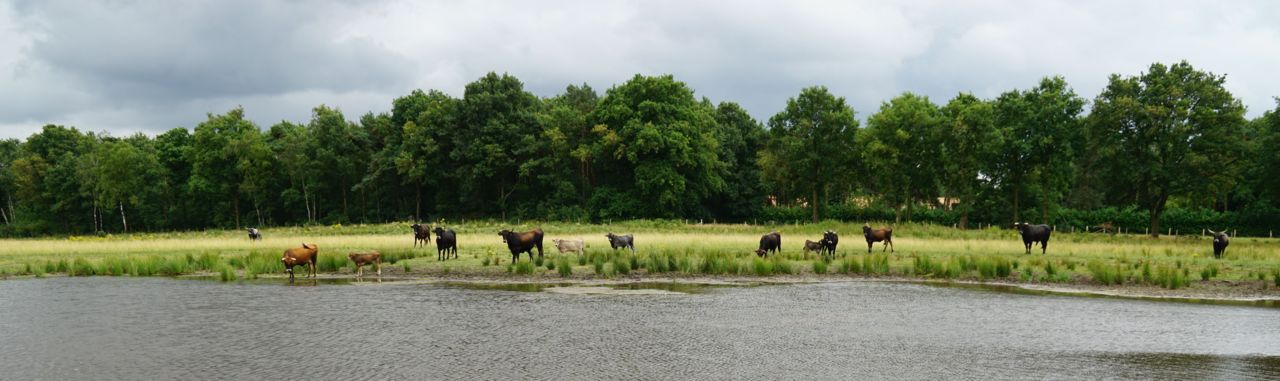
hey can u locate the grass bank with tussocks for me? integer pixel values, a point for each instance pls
(671, 249)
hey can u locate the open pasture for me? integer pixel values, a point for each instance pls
(673, 248)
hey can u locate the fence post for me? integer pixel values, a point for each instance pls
(1234, 233)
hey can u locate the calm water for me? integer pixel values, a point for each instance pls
(119, 328)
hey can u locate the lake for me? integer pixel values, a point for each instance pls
(159, 328)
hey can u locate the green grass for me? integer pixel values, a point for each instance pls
(671, 249)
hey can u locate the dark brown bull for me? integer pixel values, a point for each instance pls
(770, 243)
(421, 233)
(305, 255)
(1220, 242)
(877, 235)
(522, 242)
(446, 243)
(361, 259)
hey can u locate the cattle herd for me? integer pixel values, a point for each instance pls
(526, 242)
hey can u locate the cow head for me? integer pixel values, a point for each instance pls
(555, 241)
(1021, 227)
(416, 227)
(506, 234)
(866, 229)
(439, 230)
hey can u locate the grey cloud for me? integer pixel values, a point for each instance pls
(150, 66)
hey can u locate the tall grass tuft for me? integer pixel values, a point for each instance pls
(761, 267)
(1104, 273)
(622, 264)
(175, 266)
(524, 267)
(226, 273)
(850, 265)
(564, 267)
(820, 266)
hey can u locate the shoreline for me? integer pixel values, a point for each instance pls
(1220, 293)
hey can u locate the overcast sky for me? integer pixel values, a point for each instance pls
(129, 66)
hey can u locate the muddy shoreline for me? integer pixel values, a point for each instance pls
(1222, 292)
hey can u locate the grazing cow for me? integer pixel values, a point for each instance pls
(877, 235)
(446, 243)
(812, 246)
(564, 245)
(829, 241)
(421, 233)
(618, 241)
(254, 234)
(305, 255)
(1034, 234)
(522, 242)
(770, 243)
(1220, 243)
(361, 259)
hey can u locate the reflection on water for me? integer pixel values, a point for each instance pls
(153, 328)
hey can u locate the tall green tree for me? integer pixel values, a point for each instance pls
(811, 144)
(563, 166)
(1179, 132)
(900, 150)
(228, 156)
(9, 151)
(741, 137)
(1266, 171)
(657, 146)
(338, 146)
(968, 139)
(1041, 131)
(496, 137)
(291, 144)
(420, 161)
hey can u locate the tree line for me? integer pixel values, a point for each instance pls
(1171, 137)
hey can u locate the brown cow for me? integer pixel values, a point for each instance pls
(305, 255)
(877, 235)
(812, 246)
(522, 242)
(361, 259)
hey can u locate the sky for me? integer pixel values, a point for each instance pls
(124, 67)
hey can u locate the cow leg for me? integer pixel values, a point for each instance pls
(869, 244)
(378, 263)
(1044, 246)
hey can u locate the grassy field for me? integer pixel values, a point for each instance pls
(669, 248)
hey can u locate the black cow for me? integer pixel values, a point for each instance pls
(1033, 234)
(522, 242)
(254, 234)
(421, 233)
(770, 243)
(829, 241)
(877, 235)
(446, 242)
(1220, 242)
(621, 241)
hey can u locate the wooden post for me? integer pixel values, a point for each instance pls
(1234, 233)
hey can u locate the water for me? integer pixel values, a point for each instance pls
(155, 328)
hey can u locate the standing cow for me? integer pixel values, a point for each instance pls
(813, 246)
(829, 241)
(446, 243)
(620, 241)
(522, 242)
(1220, 242)
(877, 235)
(362, 259)
(569, 246)
(1034, 234)
(770, 243)
(254, 234)
(305, 255)
(421, 233)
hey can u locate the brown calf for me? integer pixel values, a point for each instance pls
(811, 246)
(877, 235)
(305, 255)
(361, 259)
